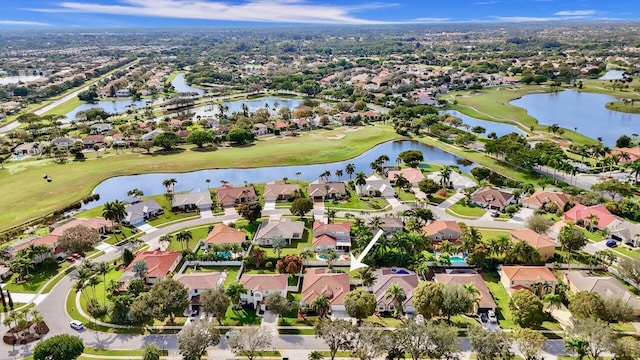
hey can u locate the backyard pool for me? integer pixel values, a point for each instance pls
(399, 271)
(457, 259)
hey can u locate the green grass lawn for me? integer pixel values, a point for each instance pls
(386, 321)
(625, 251)
(296, 247)
(241, 317)
(39, 276)
(492, 233)
(74, 180)
(358, 203)
(232, 272)
(460, 208)
(404, 195)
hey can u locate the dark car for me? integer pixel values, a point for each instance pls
(611, 243)
(484, 317)
(495, 214)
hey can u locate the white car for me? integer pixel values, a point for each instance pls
(77, 325)
(492, 317)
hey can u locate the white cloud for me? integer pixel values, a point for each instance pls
(575, 13)
(282, 11)
(22, 23)
(429, 20)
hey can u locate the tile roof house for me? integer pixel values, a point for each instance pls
(320, 190)
(605, 286)
(279, 191)
(413, 175)
(49, 240)
(140, 211)
(90, 140)
(537, 279)
(627, 232)
(260, 129)
(225, 234)
(287, 229)
(198, 282)
(581, 214)
(390, 224)
(486, 302)
(191, 201)
(408, 280)
(439, 230)
(101, 225)
(260, 285)
(542, 242)
(456, 181)
(541, 197)
(332, 285)
(159, 264)
(492, 198)
(334, 235)
(375, 186)
(229, 196)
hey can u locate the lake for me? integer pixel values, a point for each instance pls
(151, 184)
(581, 111)
(181, 86)
(110, 106)
(612, 75)
(499, 128)
(253, 105)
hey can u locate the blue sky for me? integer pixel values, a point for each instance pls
(138, 13)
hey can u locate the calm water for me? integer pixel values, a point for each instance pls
(181, 86)
(581, 111)
(253, 105)
(151, 184)
(110, 106)
(491, 126)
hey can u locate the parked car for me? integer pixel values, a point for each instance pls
(611, 243)
(194, 313)
(484, 317)
(77, 325)
(495, 214)
(492, 317)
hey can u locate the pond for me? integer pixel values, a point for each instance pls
(151, 184)
(253, 105)
(613, 75)
(499, 128)
(181, 86)
(580, 111)
(110, 106)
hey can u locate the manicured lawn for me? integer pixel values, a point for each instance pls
(168, 215)
(39, 276)
(241, 317)
(358, 203)
(460, 208)
(74, 180)
(120, 234)
(386, 321)
(65, 107)
(109, 352)
(627, 252)
(501, 297)
(404, 195)
(492, 233)
(296, 247)
(232, 272)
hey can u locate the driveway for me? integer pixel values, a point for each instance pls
(269, 205)
(146, 228)
(451, 200)
(522, 215)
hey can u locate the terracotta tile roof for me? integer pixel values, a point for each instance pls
(413, 175)
(486, 300)
(49, 240)
(493, 196)
(225, 234)
(528, 273)
(437, 226)
(532, 238)
(541, 197)
(386, 277)
(96, 223)
(199, 280)
(582, 212)
(262, 282)
(317, 282)
(324, 240)
(227, 193)
(333, 227)
(159, 263)
(277, 188)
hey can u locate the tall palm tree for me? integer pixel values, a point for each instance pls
(361, 180)
(577, 345)
(350, 169)
(184, 236)
(207, 181)
(331, 214)
(169, 183)
(552, 301)
(473, 292)
(367, 276)
(397, 295)
(330, 256)
(402, 181)
(103, 268)
(320, 306)
(445, 175)
(339, 174)
(114, 211)
(234, 291)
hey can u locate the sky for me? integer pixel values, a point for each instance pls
(158, 13)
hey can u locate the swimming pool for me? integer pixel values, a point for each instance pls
(457, 259)
(224, 254)
(399, 271)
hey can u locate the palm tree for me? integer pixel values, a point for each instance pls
(635, 169)
(208, 181)
(447, 247)
(577, 345)
(445, 175)
(315, 355)
(593, 221)
(103, 269)
(166, 239)
(169, 183)
(93, 281)
(367, 276)
(330, 256)
(234, 291)
(278, 242)
(474, 292)
(185, 236)
(350, 169)
(553, 301)
(114, 211)
(339, 174)
(135, 193)
(331, 214)
(402, 181)
(397, 295)
(320, 306)
(361, 180)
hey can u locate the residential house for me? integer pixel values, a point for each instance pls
(440, 230)
(30, 148)
(90, 140)
(285, 228)
(605, 286)
(597, 216)
(389, 224)
(260, 129)
(280, 191)
(260, 285)
(335, 236)
(537, 279)
(541, 242)
(540, 198)
(321, 191)
(627, 155)
(406, 279)
(101, 128)
(230, 196)
(224, 234)
(332, 285)
(376, 186)
(63, 142)
(456, 181)
(140, 211)
(159, 265)
(191, 201)
(492, 198)
(196, 283)
(101, 225)
(148, 137)
(413, 175)
(627, 232)
(123, 93)
(49, 240)
(463, 277)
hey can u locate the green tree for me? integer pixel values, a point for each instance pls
(538, 223)
(251, 211)
(396, 294)
(597, 335)
(166, 140)
(169, 298)
(530, 342)
(321, 306)
(623, 141)
(480, 173)
(427, 299)
(59, 347)
(277, 304)
(335, 333)
(411, 157)
(626, 348)
(200, 137)
(360, 303)
(572, 238)
(301, 206)
(422, 340)
(428, 186)
(250, 341)
(234, 291)
(215, 302)
(151, 352)
(239, 135)
(183, 237)
(490, 344)
(587, 304)
(195, 337)
(78, 239)
(526, 308)
(455, 300)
